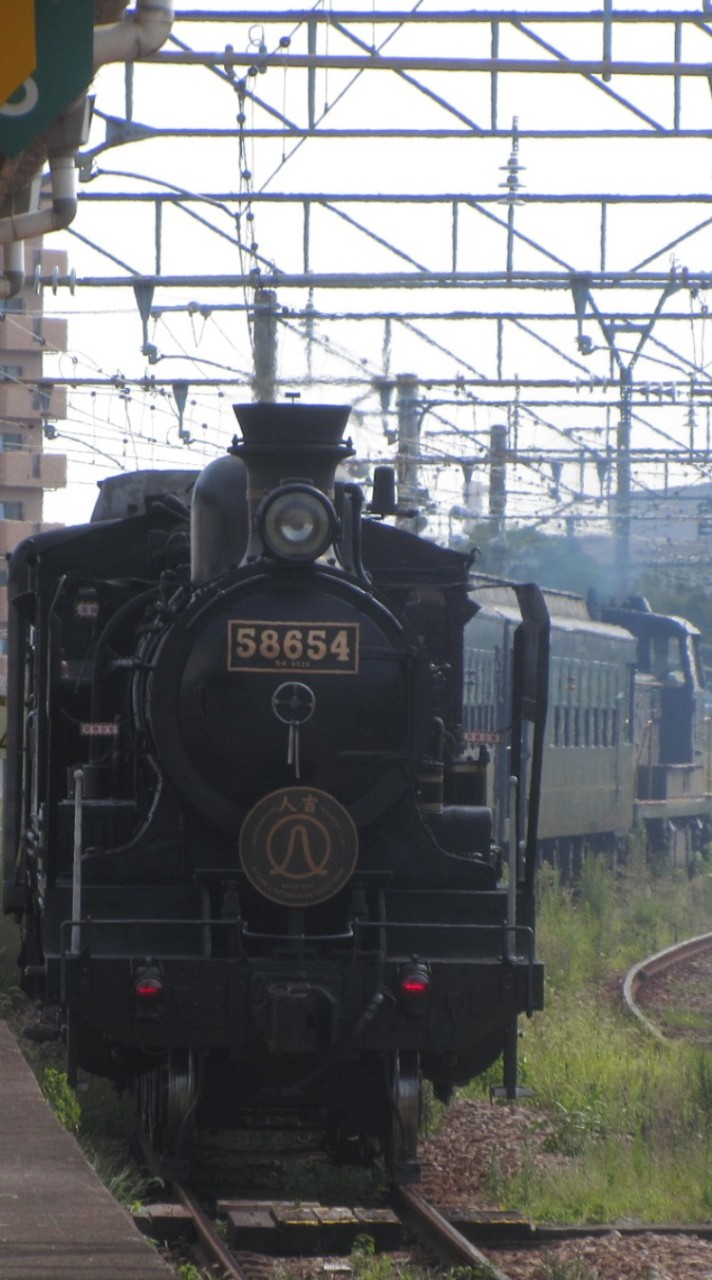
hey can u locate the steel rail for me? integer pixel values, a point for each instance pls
(208, 1235)
(429, 1225)
(657, 963)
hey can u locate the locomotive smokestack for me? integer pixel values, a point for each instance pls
(288, 445)
(291, 442)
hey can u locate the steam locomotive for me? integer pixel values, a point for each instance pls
(249, 846)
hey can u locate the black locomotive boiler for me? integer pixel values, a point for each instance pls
(252, 860)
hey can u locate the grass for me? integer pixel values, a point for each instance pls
(628, 1120)
(367, 1264)
(686, 1020)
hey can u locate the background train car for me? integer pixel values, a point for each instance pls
(671, 731)
(627, 741)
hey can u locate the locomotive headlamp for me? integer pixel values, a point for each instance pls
(296, 522)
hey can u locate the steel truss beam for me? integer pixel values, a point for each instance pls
(406, 221)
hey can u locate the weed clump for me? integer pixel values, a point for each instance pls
(62, 1098)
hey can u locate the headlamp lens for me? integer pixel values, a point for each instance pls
(297, 524)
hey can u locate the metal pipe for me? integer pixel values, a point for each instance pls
(360, 62)
(143, 32)
(77, 861)
(25, 226)
(513, 791)
(399, 16)
(13, 276)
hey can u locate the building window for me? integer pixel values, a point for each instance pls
(11, 511)
(10, 440)
(9, 372)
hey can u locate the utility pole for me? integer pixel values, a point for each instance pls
(498, 478)
(498, 495)
(409, 418)
(264, 342)
(621, 523)
(621, 511)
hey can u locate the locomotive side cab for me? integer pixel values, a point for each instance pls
(253, 861)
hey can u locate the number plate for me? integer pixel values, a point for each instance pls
(332, 647)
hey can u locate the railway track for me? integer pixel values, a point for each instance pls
(429, 1237)
(645, 977)
(512, 1254)
(266, 1233)
(421, 1222)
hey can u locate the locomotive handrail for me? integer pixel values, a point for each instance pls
(91, 922)
(74, 952)
(220, 922)
(77, 855)
(255, 935)
(503, 930)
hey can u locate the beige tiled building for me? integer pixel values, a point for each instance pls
(25, 407)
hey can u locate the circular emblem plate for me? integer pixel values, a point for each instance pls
(298, 846)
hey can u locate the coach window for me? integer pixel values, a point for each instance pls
(692, 645)
(10, 440)
(667, 659)
(552, 720)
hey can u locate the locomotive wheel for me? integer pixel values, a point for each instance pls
(150, 1096)
(181, 1099)
(152, 1105)
(167, 1100)
(406, 1111)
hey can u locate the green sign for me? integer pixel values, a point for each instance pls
(64, 35)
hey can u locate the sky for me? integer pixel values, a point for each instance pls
(123, 412)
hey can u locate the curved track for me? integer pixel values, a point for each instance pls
(654, 964)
